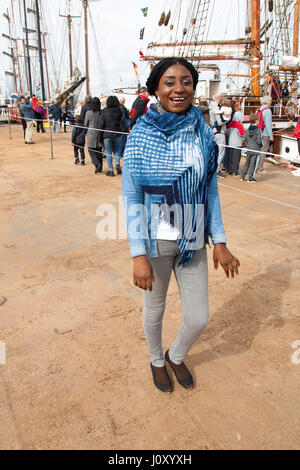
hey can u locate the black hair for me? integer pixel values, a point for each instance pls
(112, 102)
(95, 104)
(22, 97)
(160, 68)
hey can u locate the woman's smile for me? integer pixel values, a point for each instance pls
(175, 89)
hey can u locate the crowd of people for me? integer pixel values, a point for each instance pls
(105, 131)
(33, 114)
(226, 121)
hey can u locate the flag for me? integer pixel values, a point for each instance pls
(135, 69)
(142, 33)
(145, 11)
(38, 87)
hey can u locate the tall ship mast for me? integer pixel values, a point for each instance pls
(268, 47)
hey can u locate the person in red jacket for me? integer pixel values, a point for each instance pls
(139, 106)
(296, 134)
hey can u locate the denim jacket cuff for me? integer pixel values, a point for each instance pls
(137, 250)
(218, 238)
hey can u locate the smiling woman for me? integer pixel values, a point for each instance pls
(175, 89)
(173, 207)
(173, 79)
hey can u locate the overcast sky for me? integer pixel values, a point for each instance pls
(114, 36)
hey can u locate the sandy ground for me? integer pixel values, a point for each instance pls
(77, 369)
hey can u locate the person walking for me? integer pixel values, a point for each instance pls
(125, 126)
(92, 121)
(235, 133)
(139, 106)
(55, 115)
(110, 125)
(23, 120)
(169, 176)
(40, 114)
(64, 112)
(27, 112)
(86, 107)
(253, 141)
(220, 128)
(265, 125)
(78, 140)
(78, 108)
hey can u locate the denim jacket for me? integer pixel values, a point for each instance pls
(143, 240)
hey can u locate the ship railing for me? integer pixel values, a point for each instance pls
(284, 108)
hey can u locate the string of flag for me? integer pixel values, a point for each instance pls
(145, 13)
(142, 31)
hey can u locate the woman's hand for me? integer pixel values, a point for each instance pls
(222, 255)
(142, 272)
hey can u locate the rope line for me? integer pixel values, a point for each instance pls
(260, 197)
(245, 149)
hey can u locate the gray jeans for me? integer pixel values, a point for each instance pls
(192, 281)
(265, 148)
(221, 140)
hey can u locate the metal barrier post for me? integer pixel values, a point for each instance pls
(9, 126)
(50, 131)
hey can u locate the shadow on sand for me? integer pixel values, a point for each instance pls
(257, 305)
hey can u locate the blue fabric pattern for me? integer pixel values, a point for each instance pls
(173, 158)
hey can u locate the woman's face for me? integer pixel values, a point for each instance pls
(175, 89)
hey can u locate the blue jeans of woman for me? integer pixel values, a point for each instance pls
(123, 145)
(112, 146)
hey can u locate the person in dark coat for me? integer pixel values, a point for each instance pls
(22, 100)
(284, 90)
(139, 106)
(92, 118)
(55, 114)
(126, 126)
(111, 121)
(86, 107)
(253, 141)
(78, 140)
(64, 111)
(26, 110)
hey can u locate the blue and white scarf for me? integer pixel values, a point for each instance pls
(174, 155)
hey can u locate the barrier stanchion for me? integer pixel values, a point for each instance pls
(51, 143)
(9, 126)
